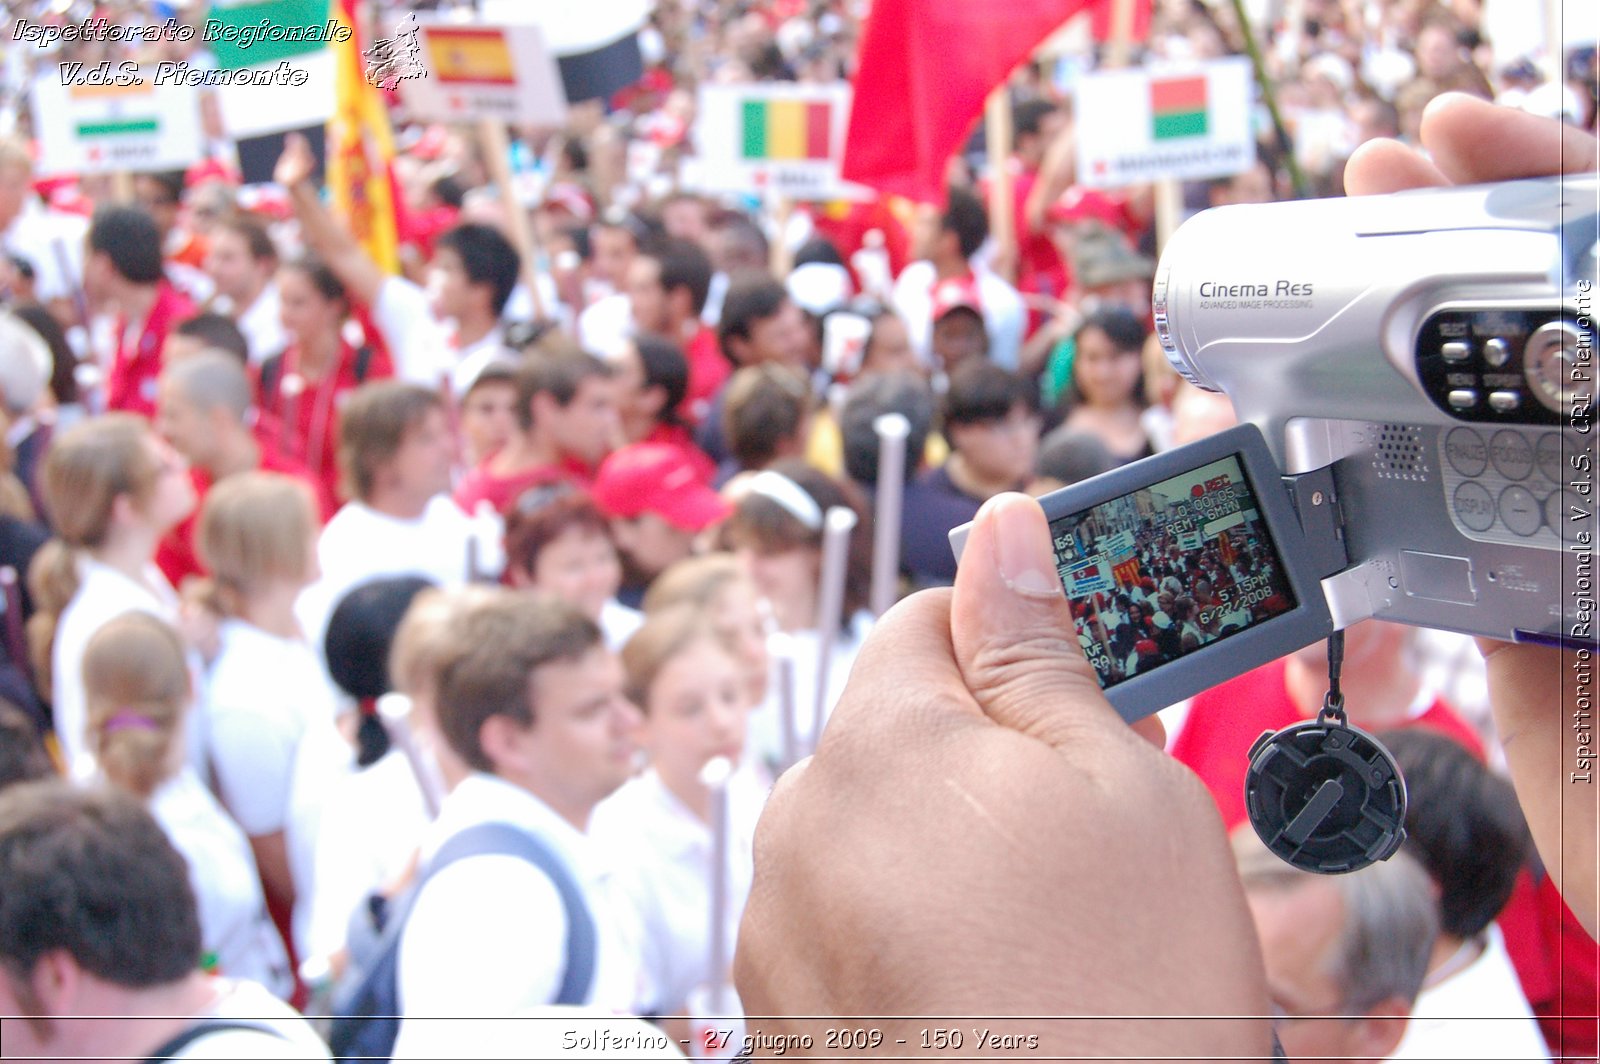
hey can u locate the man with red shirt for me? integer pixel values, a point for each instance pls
(122, 270)
(1035, 126)
(1380, 692)
(667, 289)
(204, 412)
(566, 424)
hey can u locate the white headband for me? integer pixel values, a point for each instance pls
(794, 499)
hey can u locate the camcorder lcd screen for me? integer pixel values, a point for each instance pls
(1170, 568)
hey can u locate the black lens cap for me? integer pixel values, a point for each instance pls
(1325, 797)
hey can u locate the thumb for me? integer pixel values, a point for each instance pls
(1013, 633)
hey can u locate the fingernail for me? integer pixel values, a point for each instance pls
(1022, 544)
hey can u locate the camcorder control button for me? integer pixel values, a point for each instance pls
(1505, 401)
(1551, 365)
(1466, 452)
(1551, 456)
(1497, 353)
(1520, 510)
(1511, 454)
(1568, 514)
(1455, 351)
(1463, 398)
(1474, 506)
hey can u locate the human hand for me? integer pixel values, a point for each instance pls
(1470, 141)
(296, 164)
(980, 834)
(1533, 690)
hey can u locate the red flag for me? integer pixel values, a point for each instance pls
(922, 76)
(1102, 13)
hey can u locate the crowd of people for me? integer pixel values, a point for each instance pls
(314, 570)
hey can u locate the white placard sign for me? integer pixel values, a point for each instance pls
(1088, 577)
(250, 110)
(1136, 126)
(1118, 545)
(468, 72)
(773, 139)
(99, 128)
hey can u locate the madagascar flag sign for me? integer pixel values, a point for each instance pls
(1178, 107)
(786, 129)
(1137, 125)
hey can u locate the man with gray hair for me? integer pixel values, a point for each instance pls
(1345, 955)
(204, 409)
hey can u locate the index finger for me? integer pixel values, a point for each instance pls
(1473, 141)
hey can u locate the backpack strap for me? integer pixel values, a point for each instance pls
(193, 1033)
(482, 840)
(271, 371)
(366, 1018)
(363, 361)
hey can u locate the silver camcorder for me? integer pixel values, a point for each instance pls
(1421, 369)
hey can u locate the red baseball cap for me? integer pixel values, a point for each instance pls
(957, 293)
(657, 478)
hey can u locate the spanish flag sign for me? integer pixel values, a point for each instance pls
(469, 55)
(361, 150)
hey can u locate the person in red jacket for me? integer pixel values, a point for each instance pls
(566, 424)
(123, 271)
(667, 289)
(303, 389)
(204, 411)
(1380, 692)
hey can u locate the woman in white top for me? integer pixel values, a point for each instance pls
(558, 542)
(373, 822)
(658, 826)
(777, 530)
(113, 489)
(274, 745)
(136, 684)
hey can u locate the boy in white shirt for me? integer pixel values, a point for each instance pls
(531, 700)
(396, 451)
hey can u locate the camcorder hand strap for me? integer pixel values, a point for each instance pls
(1322, 794)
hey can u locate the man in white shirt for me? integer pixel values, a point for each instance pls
(396, 452)
(605, 324)
(944, 245)
(531, 700)
(126, 944)
(1463, 823)
(473, 273)
(241, 260)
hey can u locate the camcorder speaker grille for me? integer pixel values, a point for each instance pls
(1399, 454)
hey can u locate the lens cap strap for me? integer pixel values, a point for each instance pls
(1333, 702)
(1322, 794)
